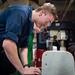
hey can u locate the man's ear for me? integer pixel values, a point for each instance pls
(41, 12)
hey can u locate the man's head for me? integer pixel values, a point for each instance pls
(44, 15)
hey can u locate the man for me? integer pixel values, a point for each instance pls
(16, 24)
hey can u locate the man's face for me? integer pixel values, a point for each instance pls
(44, 20)
(36, 29)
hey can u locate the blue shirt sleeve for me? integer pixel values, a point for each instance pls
(25, 36)
(14, 24)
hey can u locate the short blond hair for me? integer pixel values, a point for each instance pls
(50, 8)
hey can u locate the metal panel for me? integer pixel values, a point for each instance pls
(57, 63)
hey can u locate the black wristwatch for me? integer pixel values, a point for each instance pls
(26, 65)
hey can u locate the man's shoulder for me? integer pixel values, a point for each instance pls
(21, 7)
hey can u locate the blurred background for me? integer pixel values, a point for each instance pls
(65, 8)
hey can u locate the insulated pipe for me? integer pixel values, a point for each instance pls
(35, 5)
(41, 2)
(15, 2)
(71, 1)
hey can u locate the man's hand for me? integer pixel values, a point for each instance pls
(32, 71)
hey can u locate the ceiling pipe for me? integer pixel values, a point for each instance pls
(32, 3)
(17, 2)
(63, 7)
(70, 3)
(41, 2)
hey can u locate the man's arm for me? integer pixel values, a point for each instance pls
(24, 55)
(10, 49)
(24, 58)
